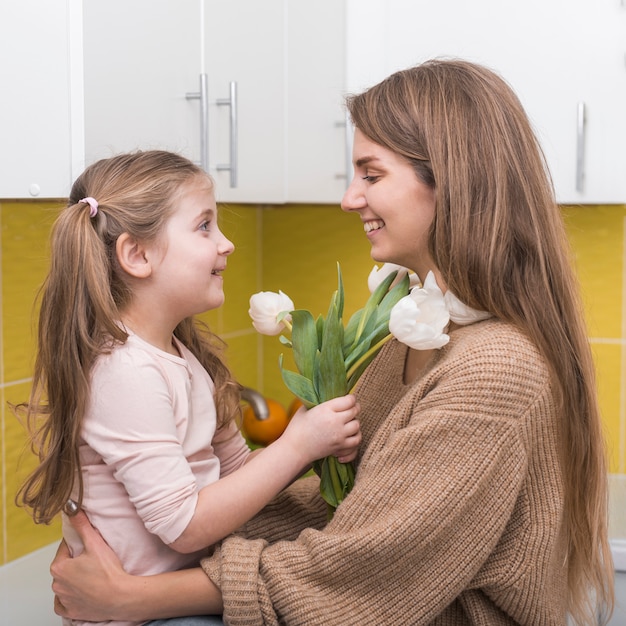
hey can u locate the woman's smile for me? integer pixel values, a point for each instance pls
(372, 225)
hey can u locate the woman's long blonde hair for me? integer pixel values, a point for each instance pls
(81, 300)
(499, 241)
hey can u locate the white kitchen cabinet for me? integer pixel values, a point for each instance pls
(283, 63)
(86, 79)
(143, 63)
(561, 57)
(40, 82)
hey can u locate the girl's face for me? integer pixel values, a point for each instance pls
(396, 208)
(188, 270)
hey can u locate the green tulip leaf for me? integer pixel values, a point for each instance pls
(304, 340)
(332, 366)
(350, 330)
(319, 326)
(371, 305)
(392, 297)
(340, 292)
(299, 386)
(327, 484)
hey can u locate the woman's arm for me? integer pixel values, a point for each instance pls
(85, 586)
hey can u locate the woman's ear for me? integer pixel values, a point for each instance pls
(131, 255)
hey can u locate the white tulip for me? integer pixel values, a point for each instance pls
(377, 275)
(265, 307)
(420, 319)
(462, 314)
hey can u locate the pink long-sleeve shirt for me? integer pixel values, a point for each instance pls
(149, 444)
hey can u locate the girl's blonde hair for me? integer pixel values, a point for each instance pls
(499, 242)
(81, 300)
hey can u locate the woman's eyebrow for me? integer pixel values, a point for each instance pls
(365, 160)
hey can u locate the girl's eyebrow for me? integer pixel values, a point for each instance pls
(208, 213)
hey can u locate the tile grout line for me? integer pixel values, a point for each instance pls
(3, 490)
(260, 375)
(622, 393)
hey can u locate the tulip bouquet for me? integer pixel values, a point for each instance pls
(329, 357)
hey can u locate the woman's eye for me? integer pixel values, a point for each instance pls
(370, 179)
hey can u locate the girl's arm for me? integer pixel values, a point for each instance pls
(85, 585)
(223, 506)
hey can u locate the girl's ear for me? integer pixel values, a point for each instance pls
(131, 256)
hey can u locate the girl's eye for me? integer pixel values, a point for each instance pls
(205, 225)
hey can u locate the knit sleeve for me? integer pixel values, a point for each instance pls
(298, 507)
(434, 492)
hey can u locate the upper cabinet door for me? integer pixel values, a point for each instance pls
(318, 141)
(38, 90)
(565, 60)
(244, 59)
(141, 59)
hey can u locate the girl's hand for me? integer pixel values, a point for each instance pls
(82, 585)
(329, 429)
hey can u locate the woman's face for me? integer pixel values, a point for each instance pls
(396, 208)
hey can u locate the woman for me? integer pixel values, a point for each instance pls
(481, 492)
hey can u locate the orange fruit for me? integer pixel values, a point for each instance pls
(296, 403)
(263, 432)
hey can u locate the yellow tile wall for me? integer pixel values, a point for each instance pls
(597, 235)
(294, 248)
(25, 229)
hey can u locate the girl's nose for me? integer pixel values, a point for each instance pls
(353, 199)
(226, 246)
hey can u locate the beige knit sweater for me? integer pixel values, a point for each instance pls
(455, 517)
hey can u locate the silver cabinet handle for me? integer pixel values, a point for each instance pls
(203, 96)
(581, 123)
(232, 103)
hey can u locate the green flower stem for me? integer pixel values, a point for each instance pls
(334, 476)
(369, 353)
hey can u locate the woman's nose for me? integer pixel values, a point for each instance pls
(353, 198)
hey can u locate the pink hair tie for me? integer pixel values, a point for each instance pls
(93, 204)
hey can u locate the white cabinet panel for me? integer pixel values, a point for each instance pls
(319, 152)
(141, 59)
(555, 54)
(36, 87)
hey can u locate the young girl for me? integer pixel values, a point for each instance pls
(137, 409)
